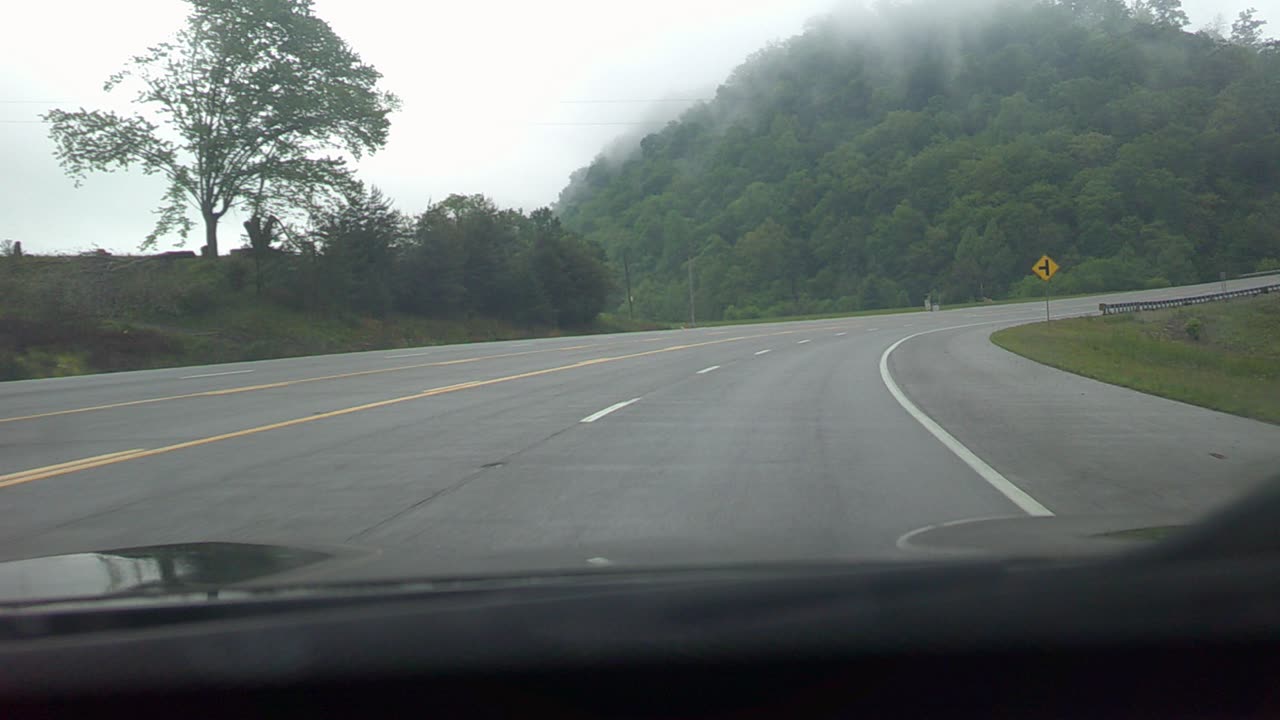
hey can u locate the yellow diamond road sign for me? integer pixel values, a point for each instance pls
(1045, 267)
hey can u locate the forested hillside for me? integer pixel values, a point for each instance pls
(936, 146)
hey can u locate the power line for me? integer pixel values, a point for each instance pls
(634, 102)
(589, 124)
(575, 101)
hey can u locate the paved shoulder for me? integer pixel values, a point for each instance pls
(1078, 445)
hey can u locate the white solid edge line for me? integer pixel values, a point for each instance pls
(713, 368)
(217, 374)
(764, 352)
(612, 408)
(398, 357)
(1016, 495)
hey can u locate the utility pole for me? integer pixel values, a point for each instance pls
(626, 272)
(693, 318)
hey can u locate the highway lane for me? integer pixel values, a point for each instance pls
(62, 394)
(1080, 446)
(169, 411)
(767, 441)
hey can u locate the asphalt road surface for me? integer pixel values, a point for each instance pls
(823, 439)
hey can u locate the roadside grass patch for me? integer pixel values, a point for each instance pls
(1224, 356)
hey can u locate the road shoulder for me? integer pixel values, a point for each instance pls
(1077, 445)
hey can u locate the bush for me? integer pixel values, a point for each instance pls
(847, 303)
(1028, 287)
(1192, 328)
(196, 300)
(237, 271)
(749, 312)
(1101, 275)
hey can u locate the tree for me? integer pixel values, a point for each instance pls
(243, 101)
(261, 232)
(357, 248)
(1162, 12)
(1216, 28)
(1097, 12)
(1247, 29)
(429, 276)
(569, 272)
(982, 260)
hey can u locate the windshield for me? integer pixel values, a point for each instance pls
(416, 291)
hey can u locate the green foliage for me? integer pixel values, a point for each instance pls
(840, 168)
(356, 252)
(1192, 328)
(462, 270)
(1166, 13)
(1247, 29)
(244, 102)
(464, 257)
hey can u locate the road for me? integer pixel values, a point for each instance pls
(821, 439)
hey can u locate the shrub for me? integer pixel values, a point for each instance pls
(1192, 328)
(237, 271)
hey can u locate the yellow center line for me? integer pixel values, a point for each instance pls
(70, 466)
(114, 458)
(286, 383)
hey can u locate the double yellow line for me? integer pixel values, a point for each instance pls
(67, 468)
(283, 383)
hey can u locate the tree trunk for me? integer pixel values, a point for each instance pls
(210, 249)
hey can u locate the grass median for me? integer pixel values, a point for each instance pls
(1224, 356)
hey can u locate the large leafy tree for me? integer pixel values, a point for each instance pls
(246, 105)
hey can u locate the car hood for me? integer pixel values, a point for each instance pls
(202, 567)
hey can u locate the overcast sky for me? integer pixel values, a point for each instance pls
(501, 98)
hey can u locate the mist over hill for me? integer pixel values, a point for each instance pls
(941, 147)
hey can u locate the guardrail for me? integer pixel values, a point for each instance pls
(1114, 308)
(1260, 273)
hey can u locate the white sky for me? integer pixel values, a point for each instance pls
(483, 86)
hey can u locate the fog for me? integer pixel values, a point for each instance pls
(501, 98)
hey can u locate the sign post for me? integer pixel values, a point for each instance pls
(1045, 268)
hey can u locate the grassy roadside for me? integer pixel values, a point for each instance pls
(1224, 356)
(34, 348)
(71, 315)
